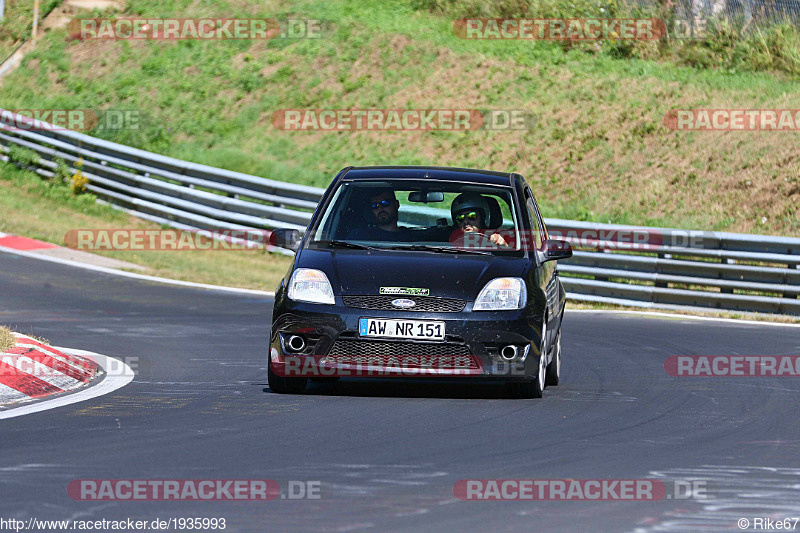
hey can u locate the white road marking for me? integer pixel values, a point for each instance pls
(122, 375)
(134, 275)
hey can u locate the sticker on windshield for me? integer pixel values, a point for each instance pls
(411, 291)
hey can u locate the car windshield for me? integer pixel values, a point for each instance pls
(436, 216)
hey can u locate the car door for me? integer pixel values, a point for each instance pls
(547, 274)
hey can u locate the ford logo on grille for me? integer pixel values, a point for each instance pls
(404, 303)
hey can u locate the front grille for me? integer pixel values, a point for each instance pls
(388, 348)
(407, 355)
(423, 303)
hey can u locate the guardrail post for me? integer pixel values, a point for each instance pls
(602, 278)
(726, 262)
(35, 17)
(662, 284)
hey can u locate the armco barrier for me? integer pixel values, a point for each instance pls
(698, 269)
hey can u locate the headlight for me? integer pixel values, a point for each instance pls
(310, 285)
(501, 294)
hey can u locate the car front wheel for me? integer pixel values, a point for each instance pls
(282, 385)
(535, 387)
(553, 374)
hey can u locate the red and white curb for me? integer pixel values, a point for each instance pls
(34, 371)
(15, 242)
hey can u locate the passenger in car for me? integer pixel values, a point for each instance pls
(470, 213)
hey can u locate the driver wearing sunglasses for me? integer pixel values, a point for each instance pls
(384, 207)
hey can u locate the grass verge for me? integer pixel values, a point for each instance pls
(46, 210)
(599, 151)
(7, 340)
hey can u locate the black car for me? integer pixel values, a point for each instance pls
(416, 272)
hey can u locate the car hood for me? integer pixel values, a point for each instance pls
(357, 272)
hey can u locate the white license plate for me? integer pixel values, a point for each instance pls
(401, 329)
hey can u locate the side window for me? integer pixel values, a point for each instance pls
(536, 224)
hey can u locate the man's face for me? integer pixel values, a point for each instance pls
(469, 220)
(384, 208)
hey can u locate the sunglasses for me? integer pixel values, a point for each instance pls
(382, 203)
(469, 214)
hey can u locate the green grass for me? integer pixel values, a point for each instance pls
(18, 22)
(6, 339)
(725, 45)
(599, 150)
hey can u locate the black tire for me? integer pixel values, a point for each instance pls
(525, 390)
(553, 374)
(325, 379)
(533, 388)
(282, 385)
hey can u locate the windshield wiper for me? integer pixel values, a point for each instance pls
(346, 244)
(441, 249)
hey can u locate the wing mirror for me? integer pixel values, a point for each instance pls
(285, 238)
(555, 249)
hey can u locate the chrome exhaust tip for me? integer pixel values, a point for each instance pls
(296, 343)
(508, 353)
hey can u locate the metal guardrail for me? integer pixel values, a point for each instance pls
(660, 267)
(639, 266)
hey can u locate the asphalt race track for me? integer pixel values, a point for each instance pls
(387, 453)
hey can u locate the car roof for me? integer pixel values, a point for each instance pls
(434, 173)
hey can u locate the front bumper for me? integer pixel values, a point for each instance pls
(472, 347)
